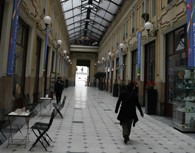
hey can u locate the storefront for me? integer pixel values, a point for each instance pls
(180, 80)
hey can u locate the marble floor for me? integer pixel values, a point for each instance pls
(89, 125)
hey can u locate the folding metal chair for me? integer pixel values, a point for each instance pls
(59, 106)
(30, 106)
(40, 130)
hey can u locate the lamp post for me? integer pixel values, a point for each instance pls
(47, 21)
(110, 67)
(103, 59)
(59, 42)
(121, 46)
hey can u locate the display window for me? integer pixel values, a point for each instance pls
(180, 82)
(176, 58)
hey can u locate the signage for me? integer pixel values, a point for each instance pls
(138, 52)
(190, 12)
(12, 45)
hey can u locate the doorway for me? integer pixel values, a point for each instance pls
(82, 74)
(36, 70)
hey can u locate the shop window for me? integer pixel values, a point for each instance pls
(176, 57)
(180, 39)
(169, 1)
(134, 65)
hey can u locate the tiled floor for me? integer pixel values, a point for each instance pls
(90, 126)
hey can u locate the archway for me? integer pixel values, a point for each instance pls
(82, 72)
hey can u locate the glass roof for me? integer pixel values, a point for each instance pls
(88, 20)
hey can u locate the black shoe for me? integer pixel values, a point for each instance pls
(126, 139)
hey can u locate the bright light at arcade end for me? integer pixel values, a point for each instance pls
(47, 20)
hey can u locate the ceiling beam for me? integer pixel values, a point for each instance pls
(114, 3)
(98, 7)
(101, 17)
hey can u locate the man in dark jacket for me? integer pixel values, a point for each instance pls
(58, 88)
(127, 114)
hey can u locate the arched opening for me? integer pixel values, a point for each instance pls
(82, 73)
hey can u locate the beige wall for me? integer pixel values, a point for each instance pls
(168, 17)
(32, 12)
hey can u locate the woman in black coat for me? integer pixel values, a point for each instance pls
(127, 115)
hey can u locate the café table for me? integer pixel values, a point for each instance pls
(25, 137)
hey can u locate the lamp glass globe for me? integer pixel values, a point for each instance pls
(122, 45)
(47, 20)
(59, 42)
(148, 26)
(64, 51)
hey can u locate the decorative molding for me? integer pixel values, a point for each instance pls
(172, 14)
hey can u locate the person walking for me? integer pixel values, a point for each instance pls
(58, 88)
(127, 116)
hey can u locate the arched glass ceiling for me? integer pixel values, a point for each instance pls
(88, 20)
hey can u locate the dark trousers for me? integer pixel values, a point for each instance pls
(58, 96)
(126, 126)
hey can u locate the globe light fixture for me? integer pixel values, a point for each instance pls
(47, 20)
(122, 45)
(64, 52)
(149, 27)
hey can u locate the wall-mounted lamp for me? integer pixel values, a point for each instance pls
(122, 45)
(103, 59)
(149, 27)
(47, 21)
(64, 52)
(59, 43)
(109, 54)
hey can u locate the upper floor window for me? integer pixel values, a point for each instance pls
(169, 1)
(153, 8)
